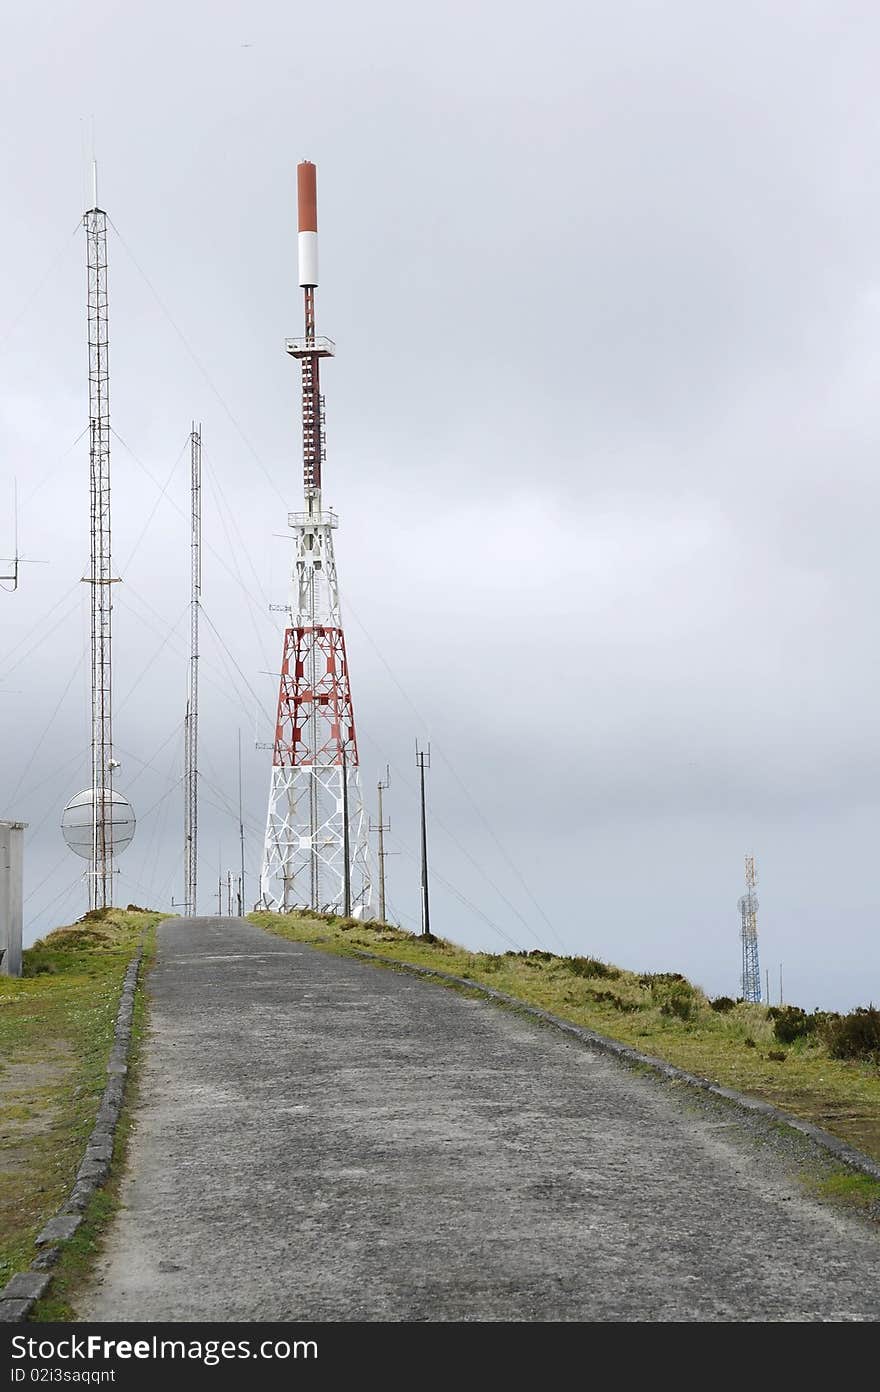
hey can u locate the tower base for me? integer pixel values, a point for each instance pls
(305, 869)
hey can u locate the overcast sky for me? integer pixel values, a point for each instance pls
(603, 434)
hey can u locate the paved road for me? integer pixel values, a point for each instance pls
(321, 1139)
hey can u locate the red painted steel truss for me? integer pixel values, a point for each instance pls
(315, 714)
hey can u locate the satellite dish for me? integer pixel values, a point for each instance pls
(76, 822)
(747, 903)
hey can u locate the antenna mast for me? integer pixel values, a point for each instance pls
(191, 768)
(423, 760)
(316, 851)
(100, 574)
(748, 909)
(99, 823)
(381, 827)
(240, 825)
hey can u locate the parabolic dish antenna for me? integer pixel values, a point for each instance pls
(747, 903)
(76, 822)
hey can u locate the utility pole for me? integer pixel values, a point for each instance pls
(240, 831)
(346, 839)
(229, 893)
(191, 757)
(423, 761)
(381, 827)
(4, 579)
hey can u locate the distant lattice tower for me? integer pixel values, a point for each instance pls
(748, 910)
(316, 852)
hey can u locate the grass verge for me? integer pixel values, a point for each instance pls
(78, 1255)
(658, 1013)
(56, 1033)
(859, 1189)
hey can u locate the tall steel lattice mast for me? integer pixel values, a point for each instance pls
(748, 909)
(316, 853)
(100, 575)
(191, 767)
(99, 823)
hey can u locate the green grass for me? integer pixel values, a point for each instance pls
(78, 1255)
(853, 1188)
(660, 1014)
(56, 1033)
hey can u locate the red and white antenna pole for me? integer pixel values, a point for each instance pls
(312, 404)
(316, 851)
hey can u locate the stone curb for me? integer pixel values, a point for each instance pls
(18, 1296)
(841, 1150)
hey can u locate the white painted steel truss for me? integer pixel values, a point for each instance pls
(305, 868)
(315, 773)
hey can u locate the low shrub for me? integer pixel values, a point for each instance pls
(777, 1056)
(95, 915)
(35, 965)
(535, 957)
(652, 979)
(72, 939)
(488, 962)
(856, 1035)
(626, 1007)
(677, 998)
(65, 949)
(791, 1023)
(722, 1004)
(590, 966)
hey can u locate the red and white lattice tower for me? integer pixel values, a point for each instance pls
(316, 854)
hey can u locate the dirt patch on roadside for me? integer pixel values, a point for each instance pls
(859, 1126)
(29, 1098)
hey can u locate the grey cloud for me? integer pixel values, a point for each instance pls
(602, 434)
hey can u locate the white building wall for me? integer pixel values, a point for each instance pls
(11, 858)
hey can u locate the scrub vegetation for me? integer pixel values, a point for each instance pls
(821, 1067)
(56, 1033)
